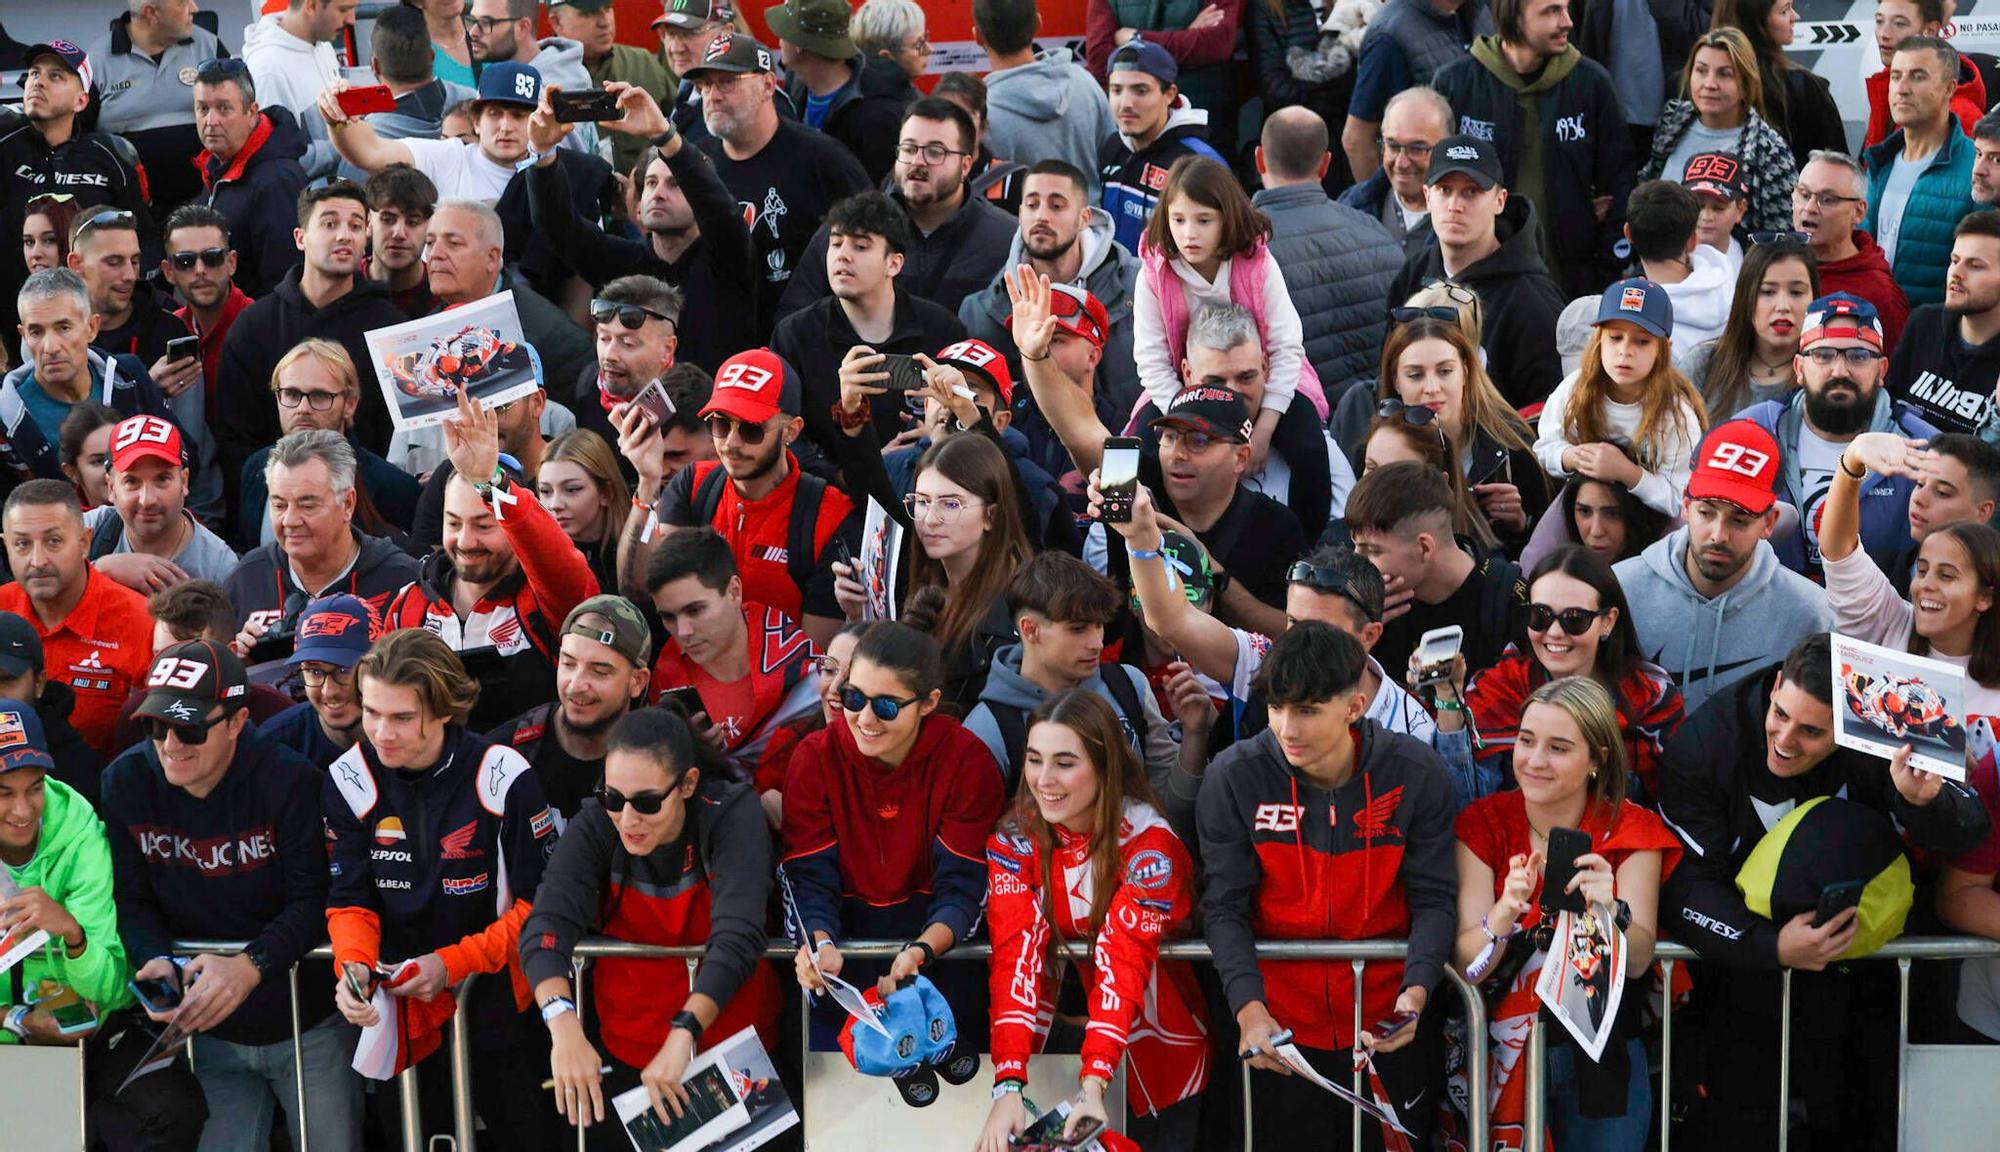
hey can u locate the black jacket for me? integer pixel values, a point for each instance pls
(77, 764)
(1949, 382)
(1680, 23)
(547, 264)
(957, 260)
(247, 409)
(259, 191)
(1804, 112)
(263, 584)
(867, 114)
(717, 273)
(1716, 792)
(814, 339)
(1585, 152)
(1520, 302)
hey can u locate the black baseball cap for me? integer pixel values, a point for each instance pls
(190, 678)
(20, 645)
(733, 53)
(1469, 155)
(1219, 412)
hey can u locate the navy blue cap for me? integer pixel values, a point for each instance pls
(20, 645)
(22, 742)
(336, 630)
(510, 82)
(1838, 316)
(1638, 301)
(1144, 56)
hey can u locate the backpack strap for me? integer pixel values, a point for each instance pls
(1013, 725)
(105, 537)
(1119, 682)
(800, 555)
(708, 495)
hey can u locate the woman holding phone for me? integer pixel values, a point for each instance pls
(1569, 760)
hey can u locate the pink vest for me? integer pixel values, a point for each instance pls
(1246, 289)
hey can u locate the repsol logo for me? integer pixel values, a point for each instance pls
(390, 855)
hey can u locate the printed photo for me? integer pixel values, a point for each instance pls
(1884, 699)
(422, 364)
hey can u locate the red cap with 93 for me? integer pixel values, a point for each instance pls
(754, 386)
(138, 437)
(1737, 463)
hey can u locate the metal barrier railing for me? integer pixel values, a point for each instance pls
(1357, 952)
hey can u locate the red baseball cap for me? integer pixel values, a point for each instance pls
(1079, 313)
(138, 437)
(754, 386)
(983, 360)
(1736, 463)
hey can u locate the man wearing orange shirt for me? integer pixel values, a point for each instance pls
(96, 634)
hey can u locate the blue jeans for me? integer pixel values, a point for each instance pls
(1575, 1132)
(243, 1083)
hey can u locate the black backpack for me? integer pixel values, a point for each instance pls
(800, 559)
(1013, 721)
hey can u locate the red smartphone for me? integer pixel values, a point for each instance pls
(364, 101)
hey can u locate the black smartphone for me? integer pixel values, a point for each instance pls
(156, 995)
(585, 104)
(1391, 1024)
(905, 374)
(181, 347)
(1118, 477)
(1837, 898)
(689, 698)
(844, 556)
(1565, 845)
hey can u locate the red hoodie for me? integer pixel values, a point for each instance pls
(1867, 275)
(1968, 104)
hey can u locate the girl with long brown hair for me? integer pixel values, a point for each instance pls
(1752, 360)
(1627, 416)
(1085, 874)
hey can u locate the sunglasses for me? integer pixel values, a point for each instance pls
(1401, 316)
(110, 218)
(720, 426)
(886, 708)
(223, 68)
(209, 257)
(158, 730)
(646, 803)
(1758, 239)
(1320, 578)
(1575, 621)
(630, 315)
(1415, 415)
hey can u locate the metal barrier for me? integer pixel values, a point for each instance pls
(1357, 952)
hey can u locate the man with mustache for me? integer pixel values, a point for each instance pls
(603, 664)
(200, 264)
(1840, 369)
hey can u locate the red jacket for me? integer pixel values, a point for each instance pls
(783, 699)
(103, 650)
(1968, 104)
(1867, 275)
(1136, 1003)
(1649, 713)
(759, 531)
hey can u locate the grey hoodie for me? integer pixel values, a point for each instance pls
(1051, 109)
(561, 63)
(1006, 687)
(1707, 645)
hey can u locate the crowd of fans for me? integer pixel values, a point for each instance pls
(1577, 326)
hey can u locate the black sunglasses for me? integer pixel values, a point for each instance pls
(630, 315)
(222, 68)
(887, 708)
(197, 733)
(1320, 578)
(1415, 415)
(1758, 239)
(647, 803)
(1401, 316)
(210, 257)
(109, 218)
(1575, 621)
(719, 427)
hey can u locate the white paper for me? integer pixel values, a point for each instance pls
(771, 1111)
(1291, 1055)
(850, 998)
(635, 1102)
(420, 364)
(1887, 699)
(881, 555)
(18, 947)
(1583, 977)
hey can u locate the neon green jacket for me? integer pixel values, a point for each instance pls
(73, 865)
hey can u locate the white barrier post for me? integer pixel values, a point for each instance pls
(1785, 1059)
(464, 1127)
(1534, 1110)
(1667, 1056)
(298, 1059)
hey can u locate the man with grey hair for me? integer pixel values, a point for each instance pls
(60, 371)
(1413, 121)
(316, 551)
(467, 261)
(250, 170)
(1828, 204)
(140, 65)
(291, 58)
(1338, 263)
(1920, 178)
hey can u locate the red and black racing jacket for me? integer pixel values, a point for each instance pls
(1285, 859)
(1649, 713)
(1137, 1002)
(761, 726)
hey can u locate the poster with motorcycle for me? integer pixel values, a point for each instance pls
(421, 364)
(1886, 699)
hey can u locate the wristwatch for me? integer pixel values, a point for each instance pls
(687, 1022)
(663, 138)
(258, 958)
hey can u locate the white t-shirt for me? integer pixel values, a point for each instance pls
(460, 171)
(1817, 459)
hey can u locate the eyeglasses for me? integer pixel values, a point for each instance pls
(720, 426)
(946, 508)
(1401, 316)
(1188, 441)
(630, 315)
(316, 675)
(317, 401)
(109, 218)
(157, 730)
(827, 667)
(209, 257)
(1855, 357)
(1575, 621)
(1760, 239)
(1333, 580)
(933, 153)
(1826, 200)
(1415, 151)
(886, 708)
(484, 24)
(221, 68)
(647, 803)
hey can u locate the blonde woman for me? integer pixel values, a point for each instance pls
(581, 486)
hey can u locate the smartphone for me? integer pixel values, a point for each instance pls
(366, 100)
(1118, 477)
(844, 556)
(1565, 845)
(1837, 898)
(1390, 1025)
(689, 698)
(1435, 652)
(584, 104)
(1047, 1132)
(156, 995)
(656, 404)
(905, 374)
(181, 347)
(74, 1019)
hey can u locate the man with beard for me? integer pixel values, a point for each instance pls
(779, 521)
(1950, 365)
(602, 667)
(1986, 161)
(638, 341)
(695, 235)
(333, 635)
(505, 570)
(1840, 369)
(1710, 600)
(400, 202)
(959, 241)
(200, 264)
(1066, 237)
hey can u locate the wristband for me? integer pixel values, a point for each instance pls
(687, 1022)
(1623, 916)
(19, 1012)
(1145, 553)
(849, 421)
(1004, 1087)
(664, 138)
(555, 1006)
(1450, 706)
(930, 953)
(1861, 475)
(1037, 359)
